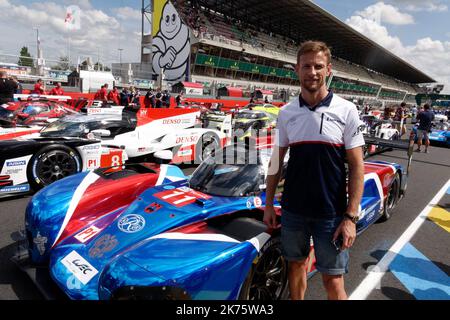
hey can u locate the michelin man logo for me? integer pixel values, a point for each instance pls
(171, 46)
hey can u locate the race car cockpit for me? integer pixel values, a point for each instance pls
(93, 126)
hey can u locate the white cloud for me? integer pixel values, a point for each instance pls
(428, 55)
(422, 5)
(381, 12)
(99, 31)
(126, 13)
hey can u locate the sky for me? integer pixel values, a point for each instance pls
(417, 31)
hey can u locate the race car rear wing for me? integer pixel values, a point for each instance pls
(386, 145)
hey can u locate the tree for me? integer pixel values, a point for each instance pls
(25, 58)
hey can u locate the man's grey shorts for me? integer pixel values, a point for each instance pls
(296, 233)
(422, 134)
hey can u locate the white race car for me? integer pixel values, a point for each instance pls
(168, 134)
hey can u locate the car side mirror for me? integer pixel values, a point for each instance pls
(101, 133)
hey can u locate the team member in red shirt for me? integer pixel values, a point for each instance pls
(113, 95)
(57, 91)
(39, 87)
(104, 92)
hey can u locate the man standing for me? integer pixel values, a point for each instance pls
(7, 88)
(39, 87)
(57, 91)
(179, 99)
(124, 97)
(322, 130)
(158, 98)
(104, 93)
(113, 96)
(400, 117)
(425, 119)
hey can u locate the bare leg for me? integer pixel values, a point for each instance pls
(297, 279)
(335, 287)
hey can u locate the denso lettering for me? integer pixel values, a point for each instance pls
(172, 121)
(190, 139)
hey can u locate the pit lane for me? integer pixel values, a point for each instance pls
(429, 172)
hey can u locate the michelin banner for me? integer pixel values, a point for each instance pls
(171, 44)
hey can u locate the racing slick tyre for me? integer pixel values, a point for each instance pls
(391, 199)
(206, 146)
(52, 163)
(268, 277)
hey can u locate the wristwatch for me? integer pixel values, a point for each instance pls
(353, 219)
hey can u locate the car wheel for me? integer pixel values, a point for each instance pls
(52, 163)
(391, 199)
(257, 125)
(268, 277)
(206, 146)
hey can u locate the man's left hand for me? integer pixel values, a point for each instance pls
(348, 231)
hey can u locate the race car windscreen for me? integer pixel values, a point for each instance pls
(249, 115)
(229, 175)
(33, 110)
(80, 126)
(441, 126)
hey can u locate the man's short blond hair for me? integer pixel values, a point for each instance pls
(314, 46)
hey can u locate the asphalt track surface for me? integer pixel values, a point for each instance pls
(429, 172)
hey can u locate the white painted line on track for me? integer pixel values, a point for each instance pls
(373, 279)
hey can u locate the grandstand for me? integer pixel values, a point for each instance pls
(253, 44)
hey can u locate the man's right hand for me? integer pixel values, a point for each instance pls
(270, 217)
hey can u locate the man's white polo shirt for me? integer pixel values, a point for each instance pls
(315, 183)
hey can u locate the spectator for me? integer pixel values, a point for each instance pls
(124, 97)
(134, 97)
(97, 94)
(400, 118)
(413, 114)
(387, 114)
(19, 89)
(57, 90)
(166, 99)
(149, 99)
(425, 119)
(103, 94)
(158, 98)
(266, 99)
(7, 88)
(179, 99)
(39, 87)
(113, 96)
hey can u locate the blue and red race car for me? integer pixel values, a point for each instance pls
(134, 234)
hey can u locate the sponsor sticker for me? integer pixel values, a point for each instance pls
(249, 203)
(79, 267)
(87, 234)
(15, 163)
(181, 197)
(257, 202)
(104, 244)
(131, 223)
(184, 153)
(40, 242)
(11, 189)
